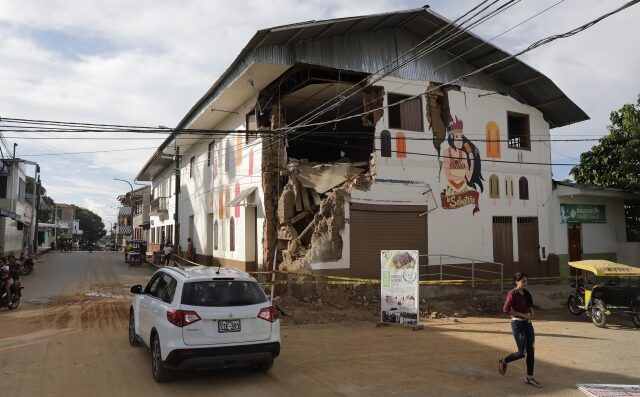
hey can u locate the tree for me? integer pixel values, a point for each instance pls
(615, 162)
(46, 214)
(91, 224)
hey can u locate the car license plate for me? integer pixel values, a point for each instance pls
(228, 326)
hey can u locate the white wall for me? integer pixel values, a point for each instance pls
(596, 237)
(458, 231)
(211, 186)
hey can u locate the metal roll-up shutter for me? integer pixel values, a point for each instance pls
(384, 227)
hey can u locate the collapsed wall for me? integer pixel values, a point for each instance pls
(311, 212)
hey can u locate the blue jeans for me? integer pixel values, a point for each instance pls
(525, 339)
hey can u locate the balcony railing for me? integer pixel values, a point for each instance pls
(159, 206)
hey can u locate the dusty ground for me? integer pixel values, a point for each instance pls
(76, 345)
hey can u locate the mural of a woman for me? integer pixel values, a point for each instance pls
(462, 167)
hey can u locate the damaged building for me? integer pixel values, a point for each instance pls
(325, 148)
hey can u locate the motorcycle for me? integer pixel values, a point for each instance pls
(14, 301)
(27, 267)
(575, 303)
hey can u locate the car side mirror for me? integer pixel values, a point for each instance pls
(136, 289)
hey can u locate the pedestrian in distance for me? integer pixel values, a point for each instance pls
(191, 254)
(167, 251)
(519, 304)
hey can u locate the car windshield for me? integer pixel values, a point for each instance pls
(222, 293)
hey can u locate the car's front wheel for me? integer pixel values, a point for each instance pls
(160, 373)
(133, 337)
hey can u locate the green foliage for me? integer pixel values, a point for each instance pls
(615, 162)
(46, 215)
(91, 224)
(30, 189)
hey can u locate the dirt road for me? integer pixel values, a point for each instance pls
(76, 345)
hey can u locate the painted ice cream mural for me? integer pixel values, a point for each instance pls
(462, 169)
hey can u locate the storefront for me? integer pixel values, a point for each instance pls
(588, 222)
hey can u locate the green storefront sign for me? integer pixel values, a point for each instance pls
(582, 213)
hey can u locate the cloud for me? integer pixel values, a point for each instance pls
(147, 62)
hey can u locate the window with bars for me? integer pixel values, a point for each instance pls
(232, 235)
(508, 187)
(502, 220)
(252, 125)
(215, 234)
(518, 131)
(210, 153)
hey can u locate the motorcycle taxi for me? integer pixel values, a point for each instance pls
(604, 288)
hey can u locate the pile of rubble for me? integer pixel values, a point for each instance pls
(311, 211)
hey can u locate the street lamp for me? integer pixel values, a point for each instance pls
(122, 180)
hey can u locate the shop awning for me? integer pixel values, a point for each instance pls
(9, 214)
(245, 198)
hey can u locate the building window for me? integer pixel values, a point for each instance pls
(3, 186)
(191, 163)
(494, 186)
(508, 187)
(518, 130)
(493, 139)
(385, 143)
(252, 125)
(401, 145)
(215, 234)
(406, 115)
(523, 185)
(232, 235)
(22, 186)
(227, 156)
(238, 150)
(210, 153)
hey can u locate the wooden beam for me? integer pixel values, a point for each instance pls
(382, 22)
(293, 36)
(324, 32)
(527, 81)
(550, 101)
(502, 69)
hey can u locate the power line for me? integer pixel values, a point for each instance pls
(531, 47)
(421, 53)
(88, 152)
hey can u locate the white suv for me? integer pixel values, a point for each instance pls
(204, 317)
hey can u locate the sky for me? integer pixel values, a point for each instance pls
(146, 63)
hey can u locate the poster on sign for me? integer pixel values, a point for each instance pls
(399, 287)
(602, 390)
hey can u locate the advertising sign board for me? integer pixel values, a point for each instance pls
(399, 287)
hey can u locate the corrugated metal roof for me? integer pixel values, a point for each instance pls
(368, 43)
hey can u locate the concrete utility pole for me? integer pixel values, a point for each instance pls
(55, 228)
(176, 228)
(34, 213)
(37, 211)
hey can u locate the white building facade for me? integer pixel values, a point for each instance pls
(418, 158)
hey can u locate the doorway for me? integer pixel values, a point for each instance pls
(575, 244)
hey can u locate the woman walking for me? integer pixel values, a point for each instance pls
(519, 304)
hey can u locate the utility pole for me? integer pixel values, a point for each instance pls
(37, 211)
(55, 228)
(176, 228)
(34, 212)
